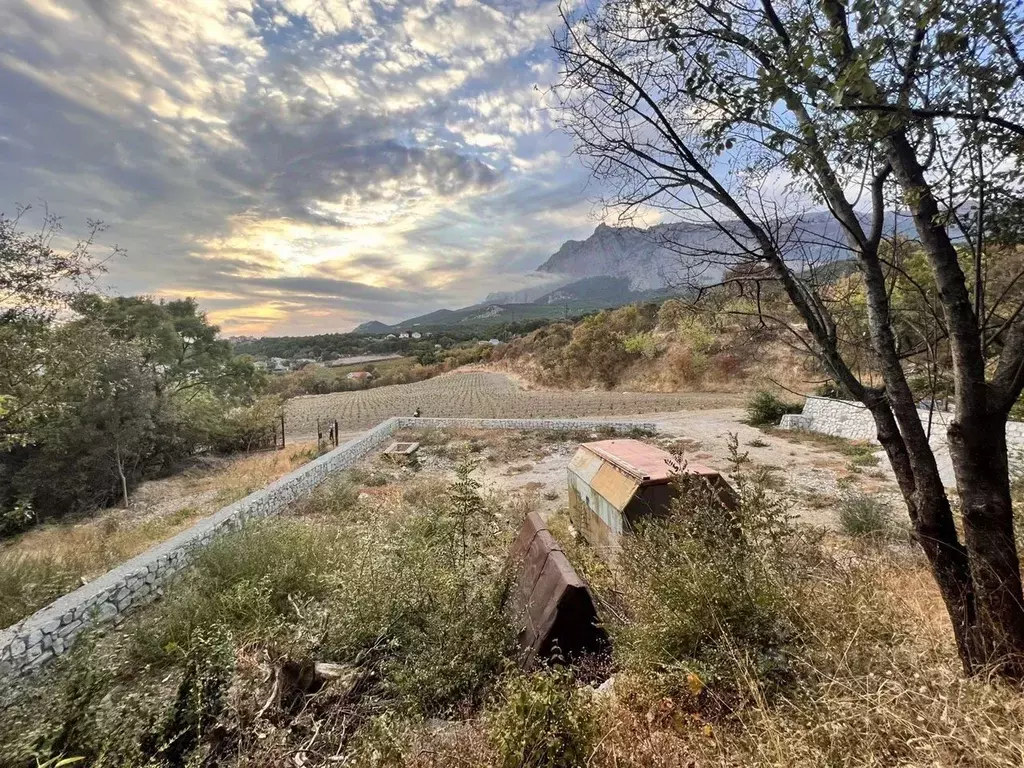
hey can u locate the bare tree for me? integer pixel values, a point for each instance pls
(747, 115)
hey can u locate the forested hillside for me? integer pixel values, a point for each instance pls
(98, 393)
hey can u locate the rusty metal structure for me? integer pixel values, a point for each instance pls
(612, 483)
(552, 604)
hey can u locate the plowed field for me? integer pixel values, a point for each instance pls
(482, 395)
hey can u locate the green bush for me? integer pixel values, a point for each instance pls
(642, 344)
(543, 721)
(862, 516)
(705, 590)
(764, 408)
(412, 598)
(418, 596)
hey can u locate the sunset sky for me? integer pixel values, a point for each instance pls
(299, 166)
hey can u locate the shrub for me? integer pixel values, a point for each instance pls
(705, 592)
(415, 594)
(765, 408)
(543, 721)
(861, 515)
(642, 344)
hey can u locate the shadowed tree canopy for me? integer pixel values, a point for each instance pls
(809, 133)
(99, 392)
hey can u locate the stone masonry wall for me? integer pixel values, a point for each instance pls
(49, 632)
(850, 419)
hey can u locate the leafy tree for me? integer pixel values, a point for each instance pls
(749, 115)
(37, 279)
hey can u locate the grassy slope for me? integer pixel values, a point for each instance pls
(48, 561)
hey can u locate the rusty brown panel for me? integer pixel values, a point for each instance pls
(531, 525)
(554, 603)
(726, 493)
(616, 487)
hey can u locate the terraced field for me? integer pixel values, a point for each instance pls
(481, 395)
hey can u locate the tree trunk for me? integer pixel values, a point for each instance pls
(976, 438)
(934, 529)
(121, 475)
(979, 454)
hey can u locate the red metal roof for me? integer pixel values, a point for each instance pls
(647, 463)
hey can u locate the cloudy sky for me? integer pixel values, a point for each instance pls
(297, 165)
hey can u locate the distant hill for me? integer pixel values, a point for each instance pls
(372, 327)
(570, 300)
(602, 290)
(680, 253)
(622, 265)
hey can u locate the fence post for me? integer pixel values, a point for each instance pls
(282, 430)
(337, 440)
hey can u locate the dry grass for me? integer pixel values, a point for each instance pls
(40, 565)
(860, 453)
(904, 705)
(877, 681)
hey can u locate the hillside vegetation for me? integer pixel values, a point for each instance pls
(659, 348)
(374, 629)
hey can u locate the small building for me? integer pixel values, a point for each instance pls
(403, 335)
(359, 375)
(416, 335)
(494, 342)
(612, 483)
(391, 336)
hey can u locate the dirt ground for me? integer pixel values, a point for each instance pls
(481, 394)
(815, 476)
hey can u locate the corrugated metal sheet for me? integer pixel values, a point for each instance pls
(616, 487)
(596, 503)
(585, 464)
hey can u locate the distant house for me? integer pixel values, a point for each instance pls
(359, 375)
(391, 336)
(416, 335)
(494, 342)
(403, 335)
(279, 364)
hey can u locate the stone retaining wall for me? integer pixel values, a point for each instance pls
(850, 419)
(50, 631)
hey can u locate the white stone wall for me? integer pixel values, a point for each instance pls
(850, 419)
(27, 645)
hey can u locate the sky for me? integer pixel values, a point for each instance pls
(298, 166)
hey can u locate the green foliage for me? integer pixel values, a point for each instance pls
(765, 408)
(864, 516)
(199, 702)
(413, 596)
(642, 344)
(543, 721)
(126, 389)
(706, 592)
(598, 349)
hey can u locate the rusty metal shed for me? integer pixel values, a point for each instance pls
(614, 482)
